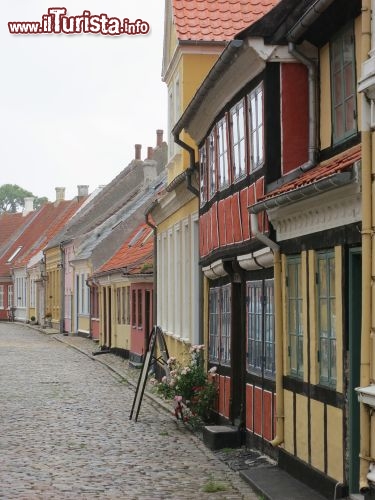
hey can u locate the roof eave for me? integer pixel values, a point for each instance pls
(323, 185)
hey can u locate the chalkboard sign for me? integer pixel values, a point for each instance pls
(156, 336)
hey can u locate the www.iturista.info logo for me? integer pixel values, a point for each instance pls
(57, 22)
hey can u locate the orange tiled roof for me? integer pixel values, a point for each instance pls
(45, 223)
(323, 170)
(135, 254)
(60, 215)
(9, 225)
(216, 20)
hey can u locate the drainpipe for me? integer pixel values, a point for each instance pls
(62, 288)
(191, 168)
(279, 438)
(155, 272)
(294, 34)
(368, 292)
(312, 148)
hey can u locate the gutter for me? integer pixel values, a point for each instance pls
(303, 192)
(280, 417)
(221, 64)
(190, 170)
(308, 18)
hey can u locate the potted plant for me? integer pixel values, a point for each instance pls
(32, 320)
(193, 390)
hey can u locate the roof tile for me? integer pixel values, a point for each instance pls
(203, 20)
(133, 255)
(325, 169)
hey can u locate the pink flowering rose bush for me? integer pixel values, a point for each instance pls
(193, 389)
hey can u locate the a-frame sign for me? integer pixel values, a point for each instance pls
(156, 337)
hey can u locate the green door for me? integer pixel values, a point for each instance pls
(354, 323)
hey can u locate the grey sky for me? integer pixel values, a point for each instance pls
(73, 106)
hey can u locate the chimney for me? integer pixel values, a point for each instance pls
(138, 148)
(83, 190)
(150, 153)
(159, 138)
(28, 205)
(60, 193)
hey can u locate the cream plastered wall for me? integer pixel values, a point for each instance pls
(317, 435)
(190, 208)
(302, 428)
(190, 72)
(288, 427)
(335, 466)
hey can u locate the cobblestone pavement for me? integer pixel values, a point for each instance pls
(66, 433)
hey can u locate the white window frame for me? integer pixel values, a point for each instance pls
(222, 153)
(256, 127)
(212, 164)
(238, 139)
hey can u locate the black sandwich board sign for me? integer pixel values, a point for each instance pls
(156, 337)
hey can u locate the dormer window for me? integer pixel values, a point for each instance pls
(14, 255)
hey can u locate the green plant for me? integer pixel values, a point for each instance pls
(213, 486)
(192, 388)
(32, 318)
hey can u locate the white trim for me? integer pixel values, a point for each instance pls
(335, 208)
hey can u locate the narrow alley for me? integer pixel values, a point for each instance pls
(66, 432)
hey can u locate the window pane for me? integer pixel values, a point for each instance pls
(338, 95)
(213, 325)
(212, 164)
(327, 317)
(222, 153)
(324, 360)
(343, 85)
(339, 121)
(333, 361)
(203, 174)
(349, 114)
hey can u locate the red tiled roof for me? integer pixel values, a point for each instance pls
(135, 254)
(216, 20)
(325, 169)
(44, 225)
(9, 225)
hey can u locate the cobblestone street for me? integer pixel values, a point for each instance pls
(66, 433)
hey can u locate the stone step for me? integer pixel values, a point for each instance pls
(217, 437)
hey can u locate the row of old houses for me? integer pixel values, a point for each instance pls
(268, 219)
(253, 232)
(84, 266)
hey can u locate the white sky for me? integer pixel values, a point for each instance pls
(73, 106)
